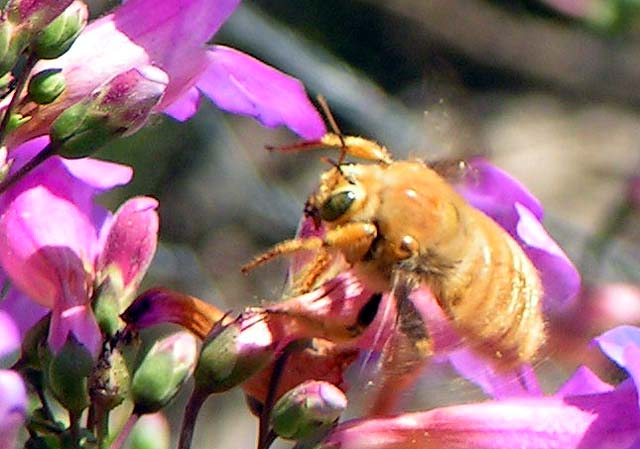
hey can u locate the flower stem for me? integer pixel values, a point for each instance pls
(126, 430)
(20, 83)
(74, 429)
(38, 159)
(189, 419)
(265, 437)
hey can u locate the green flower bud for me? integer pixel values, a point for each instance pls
(119, 107)
(164, 369)
(307, 409)
(57, 37)
(106, 306)
(68, 375)
(13, 41)
(231, 355)
(151, 432)
(31, 16)
(110, 380)
(46, 86)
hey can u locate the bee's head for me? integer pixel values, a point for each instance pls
(340, 196)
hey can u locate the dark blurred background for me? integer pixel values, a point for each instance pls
(548, 90)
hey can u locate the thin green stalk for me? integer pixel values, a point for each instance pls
(126, 430)
(190, 416)
(20, 83)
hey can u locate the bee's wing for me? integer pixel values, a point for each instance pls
(406, 349)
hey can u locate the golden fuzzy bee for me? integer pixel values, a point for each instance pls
(399, 224)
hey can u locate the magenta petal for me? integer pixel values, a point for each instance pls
(78, 321)
(13, 407)
(9, 340)
(78, 181)
(240, 84)
(46, 247)
(186, 106)
(560, 278)
(583, 381)
(162, 26)
(131, 241)
(622, 345)
(495, 383)
(494, 192)
(603, 421)
(508, 202)
(23, 310)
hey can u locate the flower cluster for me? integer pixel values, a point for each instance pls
(70, 266)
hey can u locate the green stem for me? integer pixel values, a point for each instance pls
(126, 430)
(102, 427)
(189, 419)
(74, 429)
(20, 84)
(265, 437)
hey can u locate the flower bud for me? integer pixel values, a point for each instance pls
(119, 107)
(162, 372)
(231, 355)
(110, 381)
(68, 375)
(151, 432)
(32, 16)
(56, 38)
(46, 86)
(13, 41)
(307, 409)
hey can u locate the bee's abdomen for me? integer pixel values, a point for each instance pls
(493, 295)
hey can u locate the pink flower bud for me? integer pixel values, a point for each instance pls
(34, 15)
(119, 107)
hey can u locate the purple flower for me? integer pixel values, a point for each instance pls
(509, 203)
(9, 340)
(586, 413)
(13, 394)
(53, 236)
(173, 36)
(13, 407)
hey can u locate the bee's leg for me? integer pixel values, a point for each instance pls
(352, 239)
(304, 282)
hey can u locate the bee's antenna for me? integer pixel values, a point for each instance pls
(334, 126)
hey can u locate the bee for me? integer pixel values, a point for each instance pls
(400, 225)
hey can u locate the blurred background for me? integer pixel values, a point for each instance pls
(547, 90)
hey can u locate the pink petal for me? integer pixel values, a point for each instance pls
(240, 84)
(583, 381)
(47, 248)
(13, 407)
(560, 278)
(78, 321)
(622, 345)
(9, 340)
(131, 241)
(186, 106)
(24, 311)
(601, 421)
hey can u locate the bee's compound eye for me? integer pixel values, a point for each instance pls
(337, 205)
